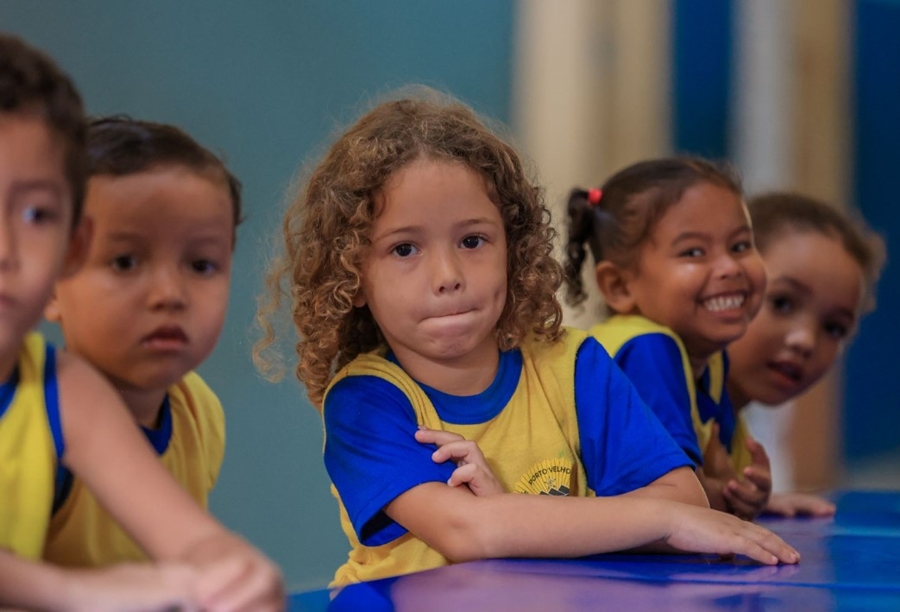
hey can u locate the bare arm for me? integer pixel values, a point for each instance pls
(464, 527)
(146, 587)
(105, 449)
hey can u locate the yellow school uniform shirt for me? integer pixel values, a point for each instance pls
(539, 421)
(82, 533)
(30, 446)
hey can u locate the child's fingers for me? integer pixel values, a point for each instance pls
(463, 475)
(760, 477)
(436, 436)
(781, 508)
(757, 453)
(216, 578)
(764, 546)
(816, 506)
(479, 480)
(792, 504)
(744, 499)
(252, 585)
(459, 451)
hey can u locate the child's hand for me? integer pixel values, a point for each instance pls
(701, 530)
(717, 472)
(472, 468)
(793, 504)
(142, 587)
(236, 576)
(747, 497)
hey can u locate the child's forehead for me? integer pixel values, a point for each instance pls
(30, 148)
(180, 195)
(175, 176)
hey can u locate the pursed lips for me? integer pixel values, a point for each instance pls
(170, 335)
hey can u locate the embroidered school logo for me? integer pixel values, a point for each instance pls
(549, 477)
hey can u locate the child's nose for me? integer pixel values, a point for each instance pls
(728, 266)
(802, 338)
(167, 290)
(446, 272)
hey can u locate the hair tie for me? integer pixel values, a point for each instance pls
(593, 196)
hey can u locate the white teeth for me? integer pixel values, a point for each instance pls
(720, 303)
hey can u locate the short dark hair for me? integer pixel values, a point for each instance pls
(32, 84)
(119, 145)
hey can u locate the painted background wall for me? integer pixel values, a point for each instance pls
(588, 86)
(266, 84)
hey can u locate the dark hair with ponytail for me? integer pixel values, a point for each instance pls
(616, 221)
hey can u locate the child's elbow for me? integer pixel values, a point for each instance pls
(466, 538)
(682, 485)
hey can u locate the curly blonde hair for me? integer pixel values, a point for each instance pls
(327, 229)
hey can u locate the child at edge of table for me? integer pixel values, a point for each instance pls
(675, 261)
(55, 409)
(823, 267)
(422, 284)
(146, 308)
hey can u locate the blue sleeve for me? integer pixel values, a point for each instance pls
(371, 453)
(623, 446)
(654, 365)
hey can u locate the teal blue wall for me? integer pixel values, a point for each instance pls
(265, 84)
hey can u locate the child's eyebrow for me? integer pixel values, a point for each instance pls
(123, 236)
(25, 187)
(412, 229)
(694, 235)
(796, 284)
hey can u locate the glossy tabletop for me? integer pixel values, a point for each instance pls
(849, 562)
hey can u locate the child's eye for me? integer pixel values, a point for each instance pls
(38, 214)
(742, 246)
(404, 250)
(838, 331)
(204, 266)
(694, 252)
(782, 304)
(472, 242)
(123, 263)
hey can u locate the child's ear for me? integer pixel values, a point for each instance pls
(613, 283)
(78, 247)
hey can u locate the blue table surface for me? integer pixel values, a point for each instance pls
(849, 562)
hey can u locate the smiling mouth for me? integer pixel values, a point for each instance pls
(721, 303)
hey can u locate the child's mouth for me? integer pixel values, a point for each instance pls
(721, 303)
(788, 370)
(168, 337)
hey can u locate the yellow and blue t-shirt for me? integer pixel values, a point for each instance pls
(31, 444)
(558, 419)
(190, 442)
(656, 361)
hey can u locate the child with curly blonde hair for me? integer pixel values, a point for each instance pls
(422, 283)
